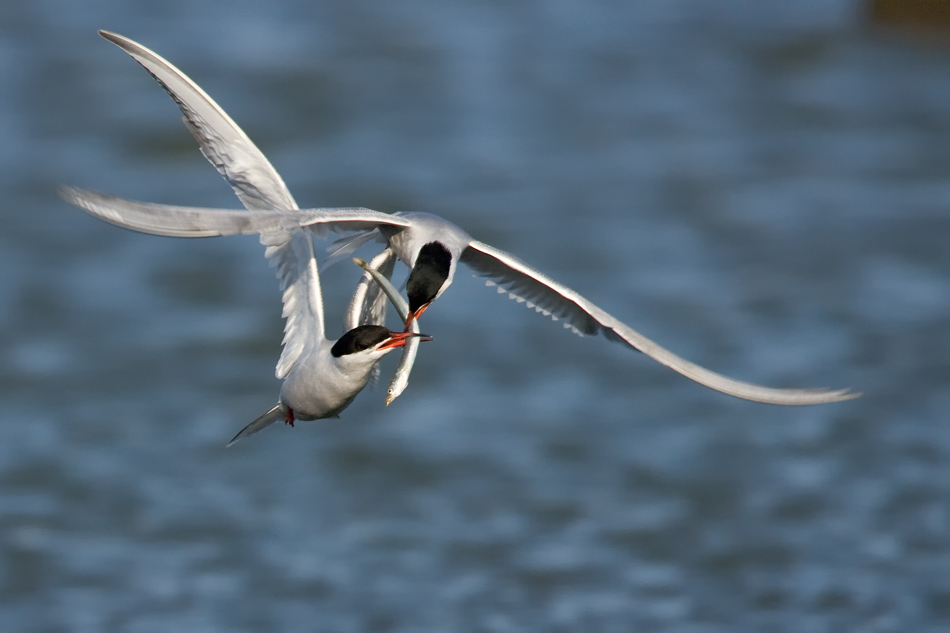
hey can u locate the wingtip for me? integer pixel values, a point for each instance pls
(66, 192)
(847, 394)
(128, 45)
(82, 198)
(806, 397)
(74, 195)
(839, 395)
(115, 38)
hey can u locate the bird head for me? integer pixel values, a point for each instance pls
(373, 341)
(429, 277)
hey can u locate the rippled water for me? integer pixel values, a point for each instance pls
(761, 186)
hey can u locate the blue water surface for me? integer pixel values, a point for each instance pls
(761, 186)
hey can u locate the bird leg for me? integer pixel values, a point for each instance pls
(290, 417)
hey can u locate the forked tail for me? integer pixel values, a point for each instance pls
(279, 412)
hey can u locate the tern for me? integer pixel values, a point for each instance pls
(429, 245)
(321, 377)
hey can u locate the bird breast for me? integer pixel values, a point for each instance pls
(319, 387)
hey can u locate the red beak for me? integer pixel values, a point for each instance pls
(398, 339)
(415, 315)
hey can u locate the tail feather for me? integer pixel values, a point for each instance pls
(279, 412)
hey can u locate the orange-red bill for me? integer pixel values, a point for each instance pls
(415, 315)
(398, 339)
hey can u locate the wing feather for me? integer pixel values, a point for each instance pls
(223, 143)
(176, 221)
(291, 252)
(289, 248)
(545, 295)
(256, 183)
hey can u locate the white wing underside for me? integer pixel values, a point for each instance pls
(292, 254)
(258, 186)
(525, 284)
(223, 143)
(178, 221)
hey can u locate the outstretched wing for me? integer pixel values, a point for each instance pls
(291, 252)
(175, 221)
(525, 284)
(222, 142)
(289, 248)
(258, 186)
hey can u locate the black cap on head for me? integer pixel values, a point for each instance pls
(359, 339)
(428, 274)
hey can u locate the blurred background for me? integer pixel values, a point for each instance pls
(760, 186)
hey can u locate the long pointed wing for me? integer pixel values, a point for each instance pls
(288, 247)
(292, 254)
(258, 186)
(223, 143)
(525, 284)
(164, 219)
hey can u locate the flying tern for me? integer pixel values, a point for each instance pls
(429, 245)
(321, 376)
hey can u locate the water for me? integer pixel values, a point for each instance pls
(762, 187)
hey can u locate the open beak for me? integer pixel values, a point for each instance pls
(398, 339)
(415, 315)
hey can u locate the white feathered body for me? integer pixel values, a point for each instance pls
(321, 385)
